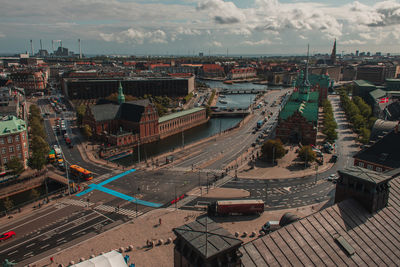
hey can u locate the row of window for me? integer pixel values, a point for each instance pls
(5, 159)
(11, 149)
(181, 121)
(10, 139)
(370, 167)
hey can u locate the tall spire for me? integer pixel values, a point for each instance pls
(304, 89)
(333, 55)
(121, 96)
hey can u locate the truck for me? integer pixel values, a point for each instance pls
(237, 206)
(58, 152)
(270, 226)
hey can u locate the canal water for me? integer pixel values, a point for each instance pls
(212, 127)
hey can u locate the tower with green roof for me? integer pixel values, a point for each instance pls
(121, 96)
(304, 89)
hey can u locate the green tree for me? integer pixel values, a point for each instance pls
(39, 145)
(8, 204)
(37, 160)
(16, 166)
(87, 131)
(307, 155)
(364, 135)
(272, 150)
(331, 135)
(80, 113)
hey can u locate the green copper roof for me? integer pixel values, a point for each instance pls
(178, 114)
(121, 96)
(11, 124)
(309, 110)
(363, 83)
(378, 93)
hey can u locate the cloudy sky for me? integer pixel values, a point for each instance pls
(181, 27)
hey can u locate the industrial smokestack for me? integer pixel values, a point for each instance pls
(80, 50)
(41, 48)
(52, 45)
(31, 47)
(61, 44)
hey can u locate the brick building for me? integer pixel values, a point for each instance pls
(31, 81)
(383, 155)
(298, 120)
(180, 121)
(13, 140)
(241, 73)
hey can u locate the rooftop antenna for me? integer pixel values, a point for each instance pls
(31, 47)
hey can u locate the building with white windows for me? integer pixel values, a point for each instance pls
(13, 140)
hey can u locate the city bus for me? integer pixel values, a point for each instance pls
(80, 173)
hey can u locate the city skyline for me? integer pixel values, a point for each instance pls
(186, 27)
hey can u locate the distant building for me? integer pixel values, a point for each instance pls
(13, 140)
(31, 81)
(83, 88)
(383, 155)
(241, 73)
(376, 74)
(212, 71)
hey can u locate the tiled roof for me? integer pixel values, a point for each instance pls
(384, 152)
(104, 112)
(363, 83)
(208, 240)
(319, 239)
(309, 110)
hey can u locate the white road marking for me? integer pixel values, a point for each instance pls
(45, 246)
(28, 254)
(30, 245)
(15, 251)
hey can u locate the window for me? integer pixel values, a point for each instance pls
(379, 169)
(26, 154)
(17, 138)
(9, 139)
(18, 147)
(24, 145)
(11, 157)
(361, 164)
(10, 149)
(19, 155)
(2, 141)
(369, 166)
(5, 160)
(3, 150)
(23, 136)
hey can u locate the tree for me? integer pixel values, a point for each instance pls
(37, 160)
(87, 131)
(364, 135)
(272, 150)
(8, 203)
(80, 112)
(331, 135)
(16, 166)
(39, 145)
(306, 154)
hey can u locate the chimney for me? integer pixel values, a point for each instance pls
(368, 187)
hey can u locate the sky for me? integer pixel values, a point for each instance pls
(182, 27)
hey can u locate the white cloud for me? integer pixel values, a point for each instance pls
(2, 35)
(256, 43)
(216, 43)
(222, 12)
(136, 36)
(353, 42)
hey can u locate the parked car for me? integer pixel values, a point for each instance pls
(7, 235)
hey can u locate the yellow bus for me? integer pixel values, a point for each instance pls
(80, 173)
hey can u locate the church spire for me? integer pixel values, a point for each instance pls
(121, 96)
(333, 55)
(305, 86)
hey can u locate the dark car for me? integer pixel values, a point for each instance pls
(7, 235)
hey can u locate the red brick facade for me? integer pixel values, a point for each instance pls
(297, 129)
(14, 145)
(179, 124)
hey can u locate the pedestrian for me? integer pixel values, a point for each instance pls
(159, 221)
(51, 259)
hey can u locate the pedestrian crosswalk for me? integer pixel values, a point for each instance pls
(75, 202)
(106, 208)
(189, 169)
(129, 213)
